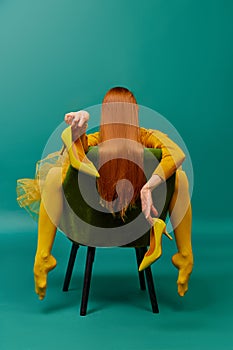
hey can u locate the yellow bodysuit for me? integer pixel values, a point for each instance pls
(29, 190)
(172, 155)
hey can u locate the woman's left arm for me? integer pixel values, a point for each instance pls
(172, 158)
(172, 154)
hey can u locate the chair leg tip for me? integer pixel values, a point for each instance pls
(155, 311)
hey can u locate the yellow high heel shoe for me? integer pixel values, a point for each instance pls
(77, 155)
(155, 250)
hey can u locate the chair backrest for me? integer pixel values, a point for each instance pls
(84, 220)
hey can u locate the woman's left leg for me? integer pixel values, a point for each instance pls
(181, 218)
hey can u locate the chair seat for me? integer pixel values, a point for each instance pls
(84, 221)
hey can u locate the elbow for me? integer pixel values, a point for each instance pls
(183, 157)
(180, 160)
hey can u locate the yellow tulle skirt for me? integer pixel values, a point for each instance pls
(29, 190)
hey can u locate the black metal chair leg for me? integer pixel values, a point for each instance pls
(151, 288)
(140, 273)
(70, 266)
(87, 280)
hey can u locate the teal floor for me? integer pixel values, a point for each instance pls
(119, 314)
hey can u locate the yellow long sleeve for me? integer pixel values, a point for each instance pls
(93, 139)
(172, 155)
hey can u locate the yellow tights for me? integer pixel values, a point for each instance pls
(181, 218)
(49, 216)
(50, 212)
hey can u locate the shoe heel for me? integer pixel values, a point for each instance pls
(167, 234)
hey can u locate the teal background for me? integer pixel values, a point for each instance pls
(176, 56)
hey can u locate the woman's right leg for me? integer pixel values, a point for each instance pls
(49, 217)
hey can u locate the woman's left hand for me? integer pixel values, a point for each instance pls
(147, 204)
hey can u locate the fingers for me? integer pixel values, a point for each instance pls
(150, 220)
(154, 210)
(148, 206)
(77, 118)
(69, 117)
(79, 121)
(146, 212)
(146, 209)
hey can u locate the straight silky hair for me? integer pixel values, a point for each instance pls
(120, 152)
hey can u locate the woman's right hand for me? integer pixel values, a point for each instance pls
(78, 121)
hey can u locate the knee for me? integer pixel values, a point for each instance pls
(54, 178)
(181, 181)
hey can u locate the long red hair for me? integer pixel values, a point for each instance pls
(120, 152)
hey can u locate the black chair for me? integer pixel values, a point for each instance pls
(80, 234)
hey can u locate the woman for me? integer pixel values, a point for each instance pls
(119, 121)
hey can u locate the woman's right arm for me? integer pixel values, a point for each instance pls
(78, 121)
